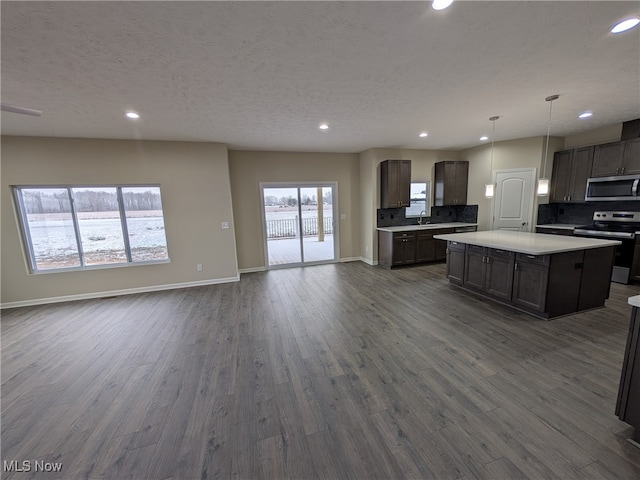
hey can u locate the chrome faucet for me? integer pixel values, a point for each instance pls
(420, 219)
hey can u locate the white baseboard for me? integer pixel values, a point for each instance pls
(252, 270)
(112, 293)
(373, 263)
(350, 259)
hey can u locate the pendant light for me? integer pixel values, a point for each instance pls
(543, 182)
(489, 188)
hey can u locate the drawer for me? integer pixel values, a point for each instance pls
(476, 249)
(497, 252)
(465, 229)
(539, 259)
(403, 235)
(457, 246)
(555, 231)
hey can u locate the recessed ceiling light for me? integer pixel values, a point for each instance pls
(625, 25)
(423, 134)
(324, 126)
(585, 115)
(133, 115)
(441, 4)
(484, 138)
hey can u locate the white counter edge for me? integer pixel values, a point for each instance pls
(527, 243)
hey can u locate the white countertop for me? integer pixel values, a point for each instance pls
(525, 242)
(635, 301)
(565, 226)
(428, 226)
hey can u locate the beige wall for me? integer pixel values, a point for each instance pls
(612, 133)
(519, 153)
(249, 168)
(422, 162)
(194, 179)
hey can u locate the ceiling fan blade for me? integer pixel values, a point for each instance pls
(5, 107)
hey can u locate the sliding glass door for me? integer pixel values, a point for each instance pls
(299, 223)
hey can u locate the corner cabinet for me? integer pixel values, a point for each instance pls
(395, 183)
(571, 170)
(451, 181)
(616, 158)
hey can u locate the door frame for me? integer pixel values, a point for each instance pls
(335, 223)
(533, 172)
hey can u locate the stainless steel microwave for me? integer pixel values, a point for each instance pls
(623, 187)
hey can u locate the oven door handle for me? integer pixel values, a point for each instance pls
(634, 188)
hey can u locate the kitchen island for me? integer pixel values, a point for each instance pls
(544, 275)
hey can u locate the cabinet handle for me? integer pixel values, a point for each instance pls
(516, 266)
(622, 170)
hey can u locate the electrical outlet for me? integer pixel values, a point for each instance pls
(225, 225)
(199, 267)
(343, 216)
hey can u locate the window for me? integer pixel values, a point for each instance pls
(419, 200)
(75, 227)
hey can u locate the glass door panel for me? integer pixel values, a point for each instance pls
(299, 224)
(282, 221)
(317, 223)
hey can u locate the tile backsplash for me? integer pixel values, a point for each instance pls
(580, 213)
(395, 217)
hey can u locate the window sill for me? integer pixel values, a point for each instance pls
(98, 267)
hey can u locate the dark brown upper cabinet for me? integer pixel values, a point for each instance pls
(395, 183)
(451, 181)
(571, 170)
(616, 158)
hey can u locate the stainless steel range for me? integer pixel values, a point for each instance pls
(623, 226)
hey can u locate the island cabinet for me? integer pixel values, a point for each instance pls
(628, 402)
(616, 158)
(546, 285)
(571, 170)
(635, 268)
(489, 270)
(395, 183)
(451, 181)
(455, 261)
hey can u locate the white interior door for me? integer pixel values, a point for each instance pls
(513, 200)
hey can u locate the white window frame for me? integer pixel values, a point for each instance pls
(426, 200)
(25, 233)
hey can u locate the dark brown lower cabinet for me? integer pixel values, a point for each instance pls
(404, 249)
(412, 246)
(455, 262)
(499, 281)
(628, 404)
(441, 245)
(475, 267)
(530, 285)
(635, 268)
(544, 285)
(425, 247)
(489, 270)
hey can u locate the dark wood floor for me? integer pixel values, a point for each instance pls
(333, 371)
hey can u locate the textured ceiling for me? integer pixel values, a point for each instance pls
(264, 75)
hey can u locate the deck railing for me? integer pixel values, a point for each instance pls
(289, 227)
